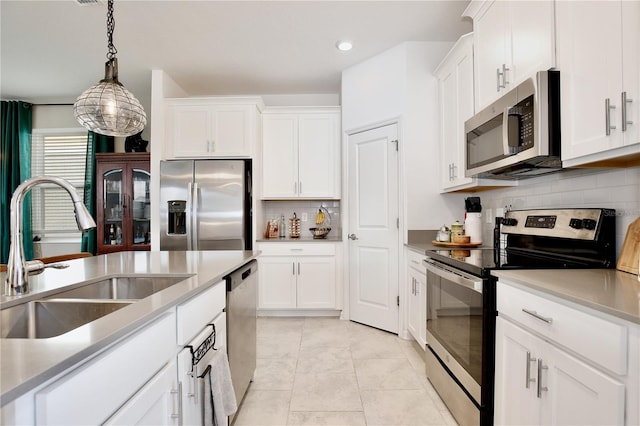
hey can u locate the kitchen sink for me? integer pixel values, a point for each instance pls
(40, 319)
(122, 288)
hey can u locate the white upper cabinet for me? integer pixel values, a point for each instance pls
(455, 90)
(513, 40)
(598, 57)
(209, 127)
(301, 154)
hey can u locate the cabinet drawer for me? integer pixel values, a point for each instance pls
(414, 259)
(106, 382)
(197, 312)
(594, 338)
(297, 249)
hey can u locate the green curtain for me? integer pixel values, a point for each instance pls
(15, 159)
(95, 143)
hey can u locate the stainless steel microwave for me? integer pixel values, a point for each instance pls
(519, 134)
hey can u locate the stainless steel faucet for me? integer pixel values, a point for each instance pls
(17, 269)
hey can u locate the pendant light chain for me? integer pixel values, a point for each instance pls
(111, 25)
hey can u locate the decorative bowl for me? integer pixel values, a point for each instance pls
(320, 232)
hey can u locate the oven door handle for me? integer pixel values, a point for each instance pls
(455, 276)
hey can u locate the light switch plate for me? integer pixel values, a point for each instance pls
(304, 217)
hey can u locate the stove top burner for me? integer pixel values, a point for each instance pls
(542, 239)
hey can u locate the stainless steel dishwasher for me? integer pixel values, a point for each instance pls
(242, 287)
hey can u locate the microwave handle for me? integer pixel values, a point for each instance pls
(510, 132)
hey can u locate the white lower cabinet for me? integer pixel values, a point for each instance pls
(538, 383)
(560, 365)
(417, 297)
(297, 276)
(155, 404)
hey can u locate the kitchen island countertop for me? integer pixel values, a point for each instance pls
(609, 291)
(27, 363)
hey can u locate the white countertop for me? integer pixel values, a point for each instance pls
(26, 363)
(609, 291)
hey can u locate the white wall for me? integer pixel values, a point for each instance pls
(399, 85)
(609, 188)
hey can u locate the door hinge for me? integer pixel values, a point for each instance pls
(398, 300)
(396, 143)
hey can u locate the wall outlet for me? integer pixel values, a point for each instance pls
(304, 217)
(489, 215)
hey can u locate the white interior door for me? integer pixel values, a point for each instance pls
(373, 227)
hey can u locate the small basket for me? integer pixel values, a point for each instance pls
(320, 232)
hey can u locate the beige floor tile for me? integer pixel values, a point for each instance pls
(325, 392)
(264, 407)
(274, 373)
(280, 327)
(271, 347)
(314, 418)
(386, 374)
(360, 330)
(327, 359)
(324, 322)
(400, 407)
(325, 336)
(376, 347)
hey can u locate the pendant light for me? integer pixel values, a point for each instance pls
(108, 108)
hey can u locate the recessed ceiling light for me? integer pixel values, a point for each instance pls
(344, 45)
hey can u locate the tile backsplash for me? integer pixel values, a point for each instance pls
(617, 189)
(273, 209)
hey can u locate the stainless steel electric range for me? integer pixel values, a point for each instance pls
(461, 295)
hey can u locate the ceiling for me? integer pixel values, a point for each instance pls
(51, 51)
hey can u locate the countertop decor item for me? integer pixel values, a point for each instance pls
(629, 260)
(294, 226)
(455, 245)
(108, 108)
(323, 224)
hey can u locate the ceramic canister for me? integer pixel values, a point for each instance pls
(473, 226)
(457, 229)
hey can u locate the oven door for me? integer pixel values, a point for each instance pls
(455, 324)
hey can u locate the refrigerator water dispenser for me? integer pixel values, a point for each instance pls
(177, 217)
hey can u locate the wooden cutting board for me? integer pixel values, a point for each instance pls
(630, 254)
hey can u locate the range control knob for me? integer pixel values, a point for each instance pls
(589, 224)
(509, 221)
(575, 223)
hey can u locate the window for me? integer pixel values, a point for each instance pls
(62, 153)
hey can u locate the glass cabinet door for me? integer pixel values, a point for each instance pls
(140, 209)
(113, 206)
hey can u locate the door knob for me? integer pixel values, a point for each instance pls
(353, 237)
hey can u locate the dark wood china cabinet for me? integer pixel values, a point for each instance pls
(122, 201)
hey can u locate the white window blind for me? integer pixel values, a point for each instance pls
(62, 153)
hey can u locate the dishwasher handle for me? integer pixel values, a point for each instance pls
(239, 276)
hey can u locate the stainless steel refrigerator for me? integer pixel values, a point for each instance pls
(205, 205)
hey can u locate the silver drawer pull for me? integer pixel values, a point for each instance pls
(538, 316)
(540, 387)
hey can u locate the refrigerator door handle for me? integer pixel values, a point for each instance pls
(195, 211)
(189, 216)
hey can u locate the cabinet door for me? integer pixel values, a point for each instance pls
(413, 306)
(578, 393)
(231, 131)
(277, 285)
(138, 229)
(110, 192)
(589, 59)
(318, 162)
(316, 288)
(532, 48)
(280, 156)
(515, 376)
(421, 290)
(155, 404)
(490, 29)
(191, 130)
(456, 106)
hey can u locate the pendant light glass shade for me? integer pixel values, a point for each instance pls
(108, 108)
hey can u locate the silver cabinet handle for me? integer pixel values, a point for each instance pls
(498, 85)
(178, 394)
(293, 264)
(298, 268)
(536, 315)
(295, 187)
(353, 237)
(607, 116)
(625, 101)
(540, 387)
(505, 81)
(530, 359)
(300, 188)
